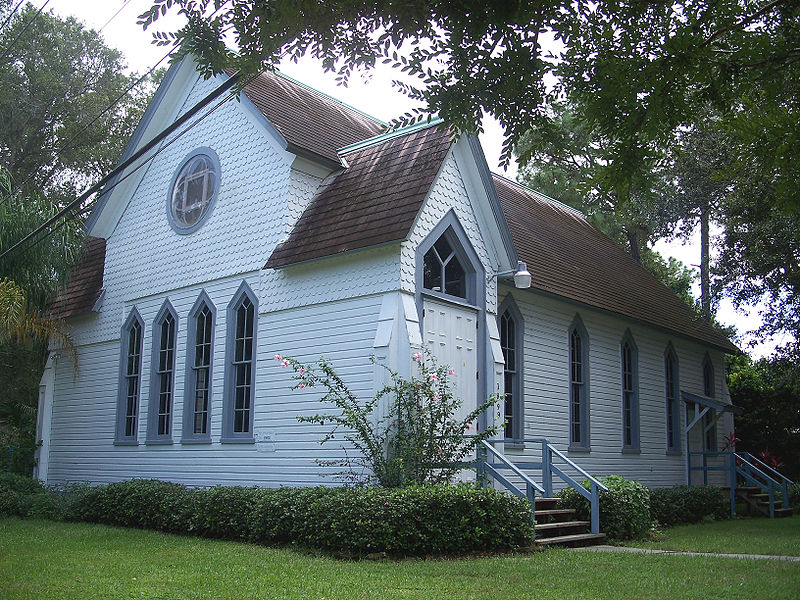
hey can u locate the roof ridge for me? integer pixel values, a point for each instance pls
(329, 97)
(380, 138)
(557, 203)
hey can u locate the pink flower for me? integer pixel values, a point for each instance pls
(278, 358)
(285, 363)
(434, 377)
(418, 357)
(436, 397)
(451, 371)
(302, 370)
(302, 386)
(469, 426)
(441, 451)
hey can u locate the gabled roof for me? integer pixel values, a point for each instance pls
(568, 257)
(311, 122)
(86, 283)
(374, 201)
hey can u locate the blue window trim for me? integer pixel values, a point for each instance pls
(709, 391)
(177, 227)
(189, 387)
(584, 444)
(510, 307)
(228, 407)
(153, 437)
(634, 445)
(672, 411)
(120, 438)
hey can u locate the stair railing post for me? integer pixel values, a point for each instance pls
(785, 490)
(531, 494)
(705, 468)
(595, 505)
(732, 482)
(547, 474)
(480, 466)
(771, 502)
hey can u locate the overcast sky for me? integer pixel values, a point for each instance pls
(373, 94)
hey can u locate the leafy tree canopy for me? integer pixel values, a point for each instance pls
(55, 78)
(646, 66)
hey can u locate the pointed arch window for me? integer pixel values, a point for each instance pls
(162, 381)
(511, 341)
(443, 270)
(238, 408)
(130, 379)
(578, 340)
(199, 370)
(709, 421)
(629, 360)
(672, 394)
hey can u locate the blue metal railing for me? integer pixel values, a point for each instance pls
(750, 469)
(548, 467)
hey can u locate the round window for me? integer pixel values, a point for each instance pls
(194, 189)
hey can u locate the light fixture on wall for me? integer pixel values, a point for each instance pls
(522, 277)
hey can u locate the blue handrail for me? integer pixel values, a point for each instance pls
(548, 469)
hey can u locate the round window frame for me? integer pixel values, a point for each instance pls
(212, 155)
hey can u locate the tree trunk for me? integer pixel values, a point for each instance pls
(705, 269)
(633, 243)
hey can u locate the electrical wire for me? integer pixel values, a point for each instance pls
(11, 14)
(75, 204)
(8, 48)
(114, 16)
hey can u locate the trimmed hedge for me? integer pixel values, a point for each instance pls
(624, 507)
(794, 496)
(406, 521)
(687, 504)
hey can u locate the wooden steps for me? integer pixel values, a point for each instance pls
(756, 499)
(558, 526)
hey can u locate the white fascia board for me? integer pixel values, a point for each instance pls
(483, 197)
(162, 111)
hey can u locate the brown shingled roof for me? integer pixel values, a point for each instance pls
(374, 201)
(86, 283)
(308, 119)
(568, 257)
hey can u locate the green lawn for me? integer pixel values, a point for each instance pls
(43, 559)
(738, 536)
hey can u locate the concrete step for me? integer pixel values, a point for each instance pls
(580, 539)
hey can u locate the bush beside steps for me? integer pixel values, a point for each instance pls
(412, 521)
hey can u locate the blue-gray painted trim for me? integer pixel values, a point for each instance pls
(188, 435)
(674, 445)
(259, 116)
(228, 435)
(476, 285)
(120, 439)
(212, 155)
(710, 403)
(712, 384)
(133, 143)
(154, 399)
(494, 202)
(635, 445)
(586, 445)
(510, 305)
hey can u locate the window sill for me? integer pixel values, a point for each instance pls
(126, 442)
(238, 440)
(195, 441)
(674, 453)
(631, 451)
(580, 449)
(159, 442)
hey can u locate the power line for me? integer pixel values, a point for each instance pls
(114, 16)
(11, 14)
(8, 48)
(221, 89)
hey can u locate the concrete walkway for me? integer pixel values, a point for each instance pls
(626, 549)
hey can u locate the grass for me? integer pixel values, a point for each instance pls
(44, 559)
(737, 536)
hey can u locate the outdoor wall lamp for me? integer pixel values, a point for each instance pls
(522, 277)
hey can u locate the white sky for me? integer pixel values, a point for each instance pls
(373, 95)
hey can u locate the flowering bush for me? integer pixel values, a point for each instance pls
(419, 441)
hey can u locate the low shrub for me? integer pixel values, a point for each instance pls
(687, 504)
(435, 519)
(624, 507)
(794, 496)
(19, 495)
